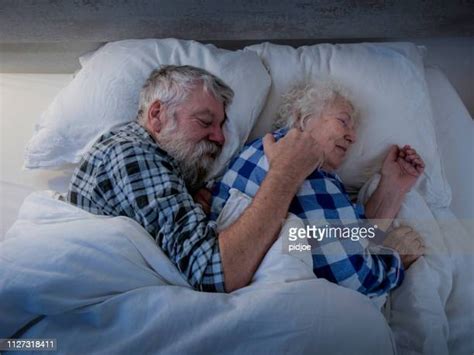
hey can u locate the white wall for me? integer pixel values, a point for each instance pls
(22, 99)
(455, 57)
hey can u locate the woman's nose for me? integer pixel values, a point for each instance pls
(350, 136)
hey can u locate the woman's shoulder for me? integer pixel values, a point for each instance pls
(258, 142)
(255, 148)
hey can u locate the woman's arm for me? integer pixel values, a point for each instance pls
(384, 204)
(400, 171)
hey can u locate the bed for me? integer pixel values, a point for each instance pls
(62, 279)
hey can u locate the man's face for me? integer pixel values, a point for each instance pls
(193, 134)
(201, 118)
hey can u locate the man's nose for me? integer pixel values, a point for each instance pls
(217, 136)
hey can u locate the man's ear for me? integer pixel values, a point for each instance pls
(154, 117)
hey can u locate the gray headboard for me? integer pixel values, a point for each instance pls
(49, 35)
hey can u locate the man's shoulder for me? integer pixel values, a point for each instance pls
(125, 135)
(124, 144)
(130, 138)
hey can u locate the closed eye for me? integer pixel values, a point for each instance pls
(202, 123)
(343, 120)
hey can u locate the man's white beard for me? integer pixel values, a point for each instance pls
(194, 160)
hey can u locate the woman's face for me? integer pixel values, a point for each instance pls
(335, 131)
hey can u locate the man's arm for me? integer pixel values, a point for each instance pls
(244, 244)
(138, 182)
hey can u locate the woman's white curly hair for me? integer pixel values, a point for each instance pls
(309, 99)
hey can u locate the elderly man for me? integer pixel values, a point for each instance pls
(147, 170)
(323, 110)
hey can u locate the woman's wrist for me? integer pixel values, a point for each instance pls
(391, 187)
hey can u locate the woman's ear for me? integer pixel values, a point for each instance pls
(154, 117)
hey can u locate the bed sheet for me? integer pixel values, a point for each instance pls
(459, 240)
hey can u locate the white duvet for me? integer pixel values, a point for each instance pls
(100, 285)
(432, 312)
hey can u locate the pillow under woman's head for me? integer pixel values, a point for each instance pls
(387, 86)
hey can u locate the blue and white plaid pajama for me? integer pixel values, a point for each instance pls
(322, 197)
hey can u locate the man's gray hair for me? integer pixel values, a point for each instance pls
(171, 85)
(307, 99)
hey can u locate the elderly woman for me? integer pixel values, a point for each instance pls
(324, 110)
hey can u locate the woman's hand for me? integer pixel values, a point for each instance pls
(407, 242)
(402, 167)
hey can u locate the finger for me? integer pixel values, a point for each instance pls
(412, 156)
(411, 152)
(421, 240)
(417, 241)
(268, 143)
(409, 168)
(418, 167)
(392, 154)
(421, 162)
(401, 231)
(420, 250)
(413, 238)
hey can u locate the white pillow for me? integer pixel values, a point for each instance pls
(105, 93)
(388, 86)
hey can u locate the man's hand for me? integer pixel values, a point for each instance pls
(407, 242)
(244, 243)
(294, 156)
(402, 167)
(203, 197)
